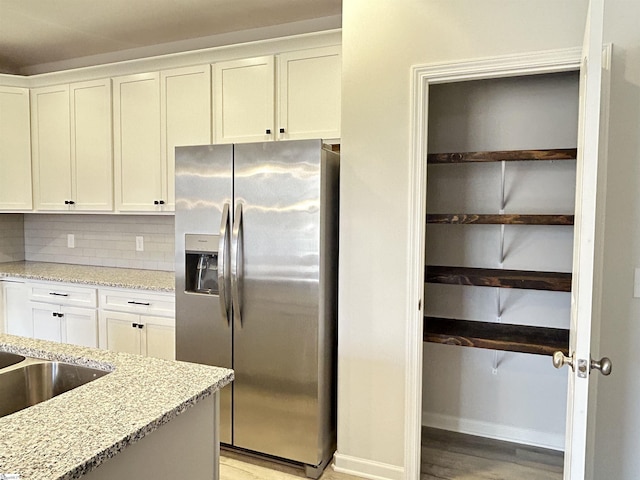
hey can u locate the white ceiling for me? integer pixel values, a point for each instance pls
(45, 32)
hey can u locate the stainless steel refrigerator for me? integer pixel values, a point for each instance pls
(256, 289)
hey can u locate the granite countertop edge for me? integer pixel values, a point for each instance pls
(33, 448)
(116, 277)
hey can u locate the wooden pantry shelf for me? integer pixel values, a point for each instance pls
(504, 155)
(496, 336)
(489, 277)
(499, 219)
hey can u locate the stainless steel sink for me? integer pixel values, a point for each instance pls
(7, 359)
(35, 381)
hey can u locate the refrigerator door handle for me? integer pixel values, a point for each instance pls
(223, 273)
(236, 242)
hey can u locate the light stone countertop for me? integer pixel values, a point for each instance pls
(71, 434)
(155, 280)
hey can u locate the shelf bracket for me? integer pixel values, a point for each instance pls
(497, 356)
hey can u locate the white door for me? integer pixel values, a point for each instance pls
(91, 145)
(51, 147)
(159, 337)
(15, 149)
(309, 94)
(47, 321)
(185, 106)
(586, 256)
(244, 100)
(120, 332)
(80, 326)
(136, 143)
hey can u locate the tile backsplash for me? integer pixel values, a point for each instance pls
(11, 237)
(106, 240)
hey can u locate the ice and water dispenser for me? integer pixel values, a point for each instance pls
(201, 264)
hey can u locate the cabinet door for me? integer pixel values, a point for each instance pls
(119, 332)
(51, 147)
(244, 100)
(159, 337)
(309, 94)
(15, 149)
(138, 168)
(79, 326)
(17, 317)
(91, 145)
(186, 117)
(47, 324)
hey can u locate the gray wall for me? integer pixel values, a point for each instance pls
(11, 237)
(107, 240)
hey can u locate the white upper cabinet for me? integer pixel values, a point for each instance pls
(91, 145)
(136, 129)
(309, 94)
(71, 141)
(185, 104)
(51, 134)
(15, 149)
(154, 113)
(244, 100)
(307, 84)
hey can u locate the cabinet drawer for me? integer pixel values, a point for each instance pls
(63, 294)
(138, 302)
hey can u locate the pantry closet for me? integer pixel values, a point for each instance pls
(501, 179)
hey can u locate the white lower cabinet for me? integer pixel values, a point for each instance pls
(78, 326)
(137, 322)
(15, 315)
(63, 313)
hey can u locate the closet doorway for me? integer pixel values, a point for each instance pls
(591, 63)
(501, 177)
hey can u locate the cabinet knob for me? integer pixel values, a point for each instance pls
(282, 130)
(268, 131)
(161, 202)
(156, 202)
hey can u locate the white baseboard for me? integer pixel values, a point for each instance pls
(524, 436)
(366, 468)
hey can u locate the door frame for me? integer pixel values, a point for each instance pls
(422, 76)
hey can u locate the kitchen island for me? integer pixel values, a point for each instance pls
(148, 418)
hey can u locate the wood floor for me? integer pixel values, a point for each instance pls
(238, 467)
(445, 456)
(454, 456)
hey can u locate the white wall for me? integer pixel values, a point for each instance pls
(381, 41)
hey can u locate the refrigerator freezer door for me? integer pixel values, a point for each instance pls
(203, 187)
(276, 398)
